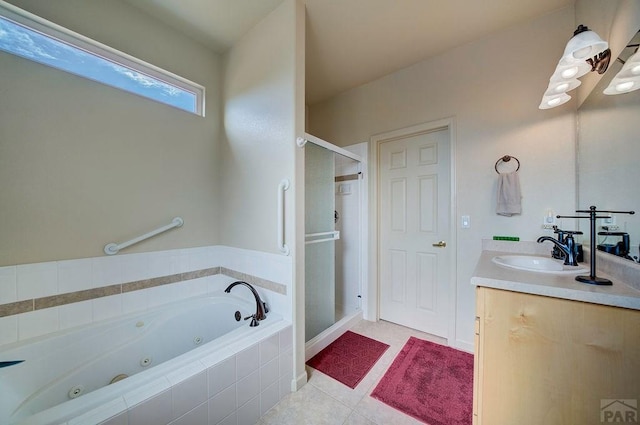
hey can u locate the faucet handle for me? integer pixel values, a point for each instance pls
(254, 321)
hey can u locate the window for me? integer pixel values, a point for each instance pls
(34, 38)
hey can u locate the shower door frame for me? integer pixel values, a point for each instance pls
(316, 344)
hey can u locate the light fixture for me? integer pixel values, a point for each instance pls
(559, 86)
(585, 52)
(583, 46)
(549, 102)
(628, 79)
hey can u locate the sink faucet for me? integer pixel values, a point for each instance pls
(557, 253)
(261, 306)
(568, 248)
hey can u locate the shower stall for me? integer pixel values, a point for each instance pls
(334, 227)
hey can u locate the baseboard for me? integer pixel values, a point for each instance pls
(299, 381)
(463, 346)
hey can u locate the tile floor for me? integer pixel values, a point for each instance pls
(325, 401)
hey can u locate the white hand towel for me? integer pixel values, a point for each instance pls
(509, 196)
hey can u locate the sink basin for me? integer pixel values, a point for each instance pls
(532, 263)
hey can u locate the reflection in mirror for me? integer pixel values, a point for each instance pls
(608, 161)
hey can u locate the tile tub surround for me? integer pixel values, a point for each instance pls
(36, 299)
(221, 389)
(139, 285)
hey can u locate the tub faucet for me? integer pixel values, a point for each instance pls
(568, 248)
(261, 306)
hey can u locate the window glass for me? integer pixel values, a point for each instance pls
(62, 53)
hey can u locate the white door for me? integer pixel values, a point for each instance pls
(413, 222)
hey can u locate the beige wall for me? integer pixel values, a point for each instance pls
(263, 112)
(492, 87)
(83, 164)
(259, 121)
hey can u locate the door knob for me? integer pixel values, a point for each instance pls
(440, 244)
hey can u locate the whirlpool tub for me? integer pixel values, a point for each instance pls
(102, 370)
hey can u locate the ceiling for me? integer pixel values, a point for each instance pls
(352, 42)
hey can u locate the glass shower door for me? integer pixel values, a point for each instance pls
(320, 296)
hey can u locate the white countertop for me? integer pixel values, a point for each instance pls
(491, 275)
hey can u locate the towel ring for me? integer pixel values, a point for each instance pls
(506, 158)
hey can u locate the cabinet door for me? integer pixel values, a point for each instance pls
(545, 360)
(477, 369)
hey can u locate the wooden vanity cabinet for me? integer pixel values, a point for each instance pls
(550, 361)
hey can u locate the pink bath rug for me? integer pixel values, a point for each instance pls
(348, 358)
(429, 382)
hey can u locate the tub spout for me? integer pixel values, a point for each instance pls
(569, 250)
(261, 306)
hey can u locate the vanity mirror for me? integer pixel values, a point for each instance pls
(608, 159)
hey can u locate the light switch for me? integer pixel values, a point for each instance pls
(466, 221)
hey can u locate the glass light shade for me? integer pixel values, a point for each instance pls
(628, 79)
(582, 46)
(549, 102)
(568, 72)
(561, 86)
(631, 67)
(623, 85)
